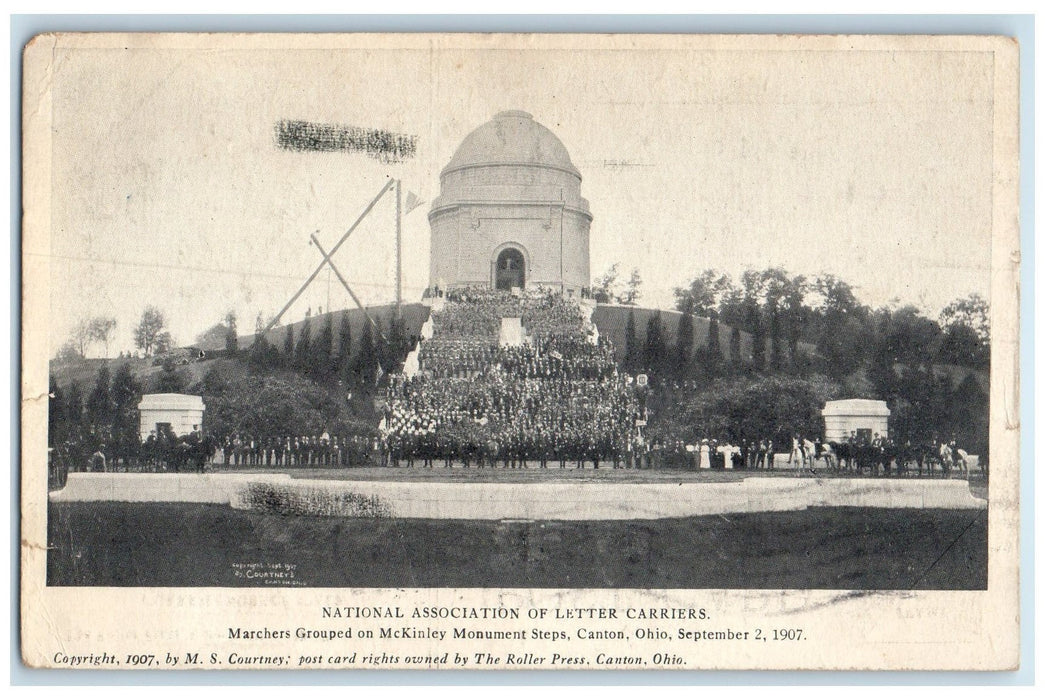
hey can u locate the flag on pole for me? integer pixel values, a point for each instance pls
(412, 202)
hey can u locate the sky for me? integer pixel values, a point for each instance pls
(168, 187)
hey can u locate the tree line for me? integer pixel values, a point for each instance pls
(783, 312)
(821, 341)
(107, 415)
(150, 335)
(800, 326)
(324, 357)
(610, 288)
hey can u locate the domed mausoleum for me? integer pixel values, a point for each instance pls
(510, 212)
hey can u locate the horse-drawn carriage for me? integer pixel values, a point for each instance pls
(168, 452)
(909, 459)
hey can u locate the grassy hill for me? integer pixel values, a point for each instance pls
(414, 316)
(610, 319)
(83, 371)
(612, 322)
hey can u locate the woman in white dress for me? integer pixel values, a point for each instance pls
(705, 455)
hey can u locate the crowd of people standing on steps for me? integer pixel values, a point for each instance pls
(556, 399)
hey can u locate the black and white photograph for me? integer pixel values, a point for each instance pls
(516, 316)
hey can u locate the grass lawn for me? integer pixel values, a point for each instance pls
(177, 544)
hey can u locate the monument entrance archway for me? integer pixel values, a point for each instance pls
(510, 269)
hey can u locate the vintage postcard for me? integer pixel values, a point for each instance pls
(530, 352)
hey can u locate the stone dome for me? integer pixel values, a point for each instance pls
(510, 212)
(512, 138)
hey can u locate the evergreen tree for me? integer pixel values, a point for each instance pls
(321, 363)
(74, 404)
(736, 361)
(303, 350)
(99, 403)
(288, 347)
(683, 344)
(328, 337)
(731, 306)
(215, 382)
(776, 340)
(714, 337)
(126, 393)
(263, 355)
(170, 380)
(344, 346)
(55, 411)
(656, 348)
(794, 333)
(754, 324)
(632, 353)
(714, 349)
(796, 315)
(880, 368)
(396, 348)
(365, 361)
(231, 337)
(385, 344)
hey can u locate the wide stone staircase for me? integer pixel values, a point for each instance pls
(523, 374)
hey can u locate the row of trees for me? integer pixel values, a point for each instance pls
(678, 358)
(776, 406)
(150, 335)
(261, 404)
(747, 408)
(783, 312)
(107, 415)
(276, 404)
(324, 357)
(817, 333)
(610, 288)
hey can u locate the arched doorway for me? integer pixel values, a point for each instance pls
(510, 270)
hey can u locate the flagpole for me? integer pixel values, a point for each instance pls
(399, 248)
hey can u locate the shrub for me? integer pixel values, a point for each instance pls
(290, 499)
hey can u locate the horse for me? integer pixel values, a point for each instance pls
(962, 462)
(843, 452)
(885, 455)
(876, 458)
(828, 453)
(946, 459)
(919, 453)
